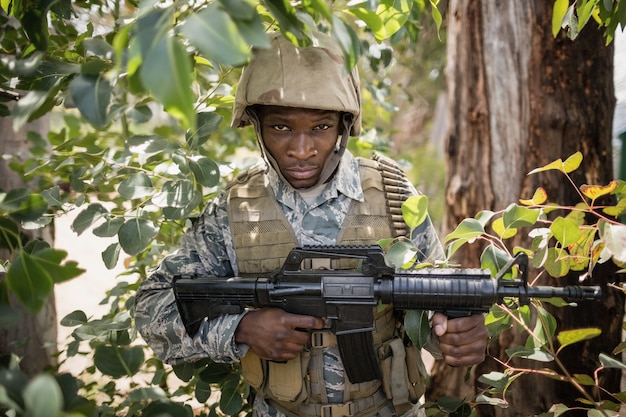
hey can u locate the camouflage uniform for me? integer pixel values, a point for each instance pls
(207, 250)
(277, 76)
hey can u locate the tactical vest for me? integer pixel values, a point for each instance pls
(263, 237)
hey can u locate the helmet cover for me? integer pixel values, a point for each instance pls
(312, 77)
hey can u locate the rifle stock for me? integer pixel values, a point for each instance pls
(346, 297)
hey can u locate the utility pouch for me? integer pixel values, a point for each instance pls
(280, 381)
(416, 372)
(401, 374)
(285, 379)
(252, 370)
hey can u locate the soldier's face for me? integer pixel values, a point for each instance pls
(300, 140)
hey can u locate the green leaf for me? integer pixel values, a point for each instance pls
(467, 230)
(92, 94)
(10, 236)
(569, 337)
(53, 196)
(231, 402)
(401, 253)
(348, 41)
(202, 392)
(436, 14)
(495, 402)
(450, 404)
(286, 16)
(215, 373)
(51, 260)
(371, 19)
(184, 371)
(558, 12)
(417, 327)
(565, 231)
(495, 379)
(140, 114)
(32, 209)
(109, 228)
(179, 213)
(544, 330)
(88, 217)
(75, 318)
(118, 361)
(166, 409)
(35, 23)
(516, 216)
(174, 194)
(111, 255)
(609, 362)
(415, 210)
(535, 354)
(29, 281)
(23, 205)
(238, 9)
(205, 171)
(394, 14)
(213, 32)
(585, 380)
(13, 200)
(146, 146)
(166, 73)
(571, 164)
(501, 230)
(556, 265)
(136, 234)
(494, 259)
(584, 12)
(148, 394)
(43, 397)
(136, 186)
(208, 123)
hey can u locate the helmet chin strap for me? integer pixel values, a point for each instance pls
(331, 164)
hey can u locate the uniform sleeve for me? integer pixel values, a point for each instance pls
(202, 252)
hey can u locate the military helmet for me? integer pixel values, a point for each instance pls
(312, 77)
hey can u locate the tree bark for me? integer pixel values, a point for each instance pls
(519, 99)
(33, 338)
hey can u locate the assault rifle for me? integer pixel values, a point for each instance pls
(345, 298)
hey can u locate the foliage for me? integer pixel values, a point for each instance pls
(608, 14)
(136, 174)
(578, 240)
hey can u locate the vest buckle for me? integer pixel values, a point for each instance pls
(339, 410)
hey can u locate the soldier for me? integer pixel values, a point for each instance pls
(303, 106)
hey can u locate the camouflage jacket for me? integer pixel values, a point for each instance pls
(207, 249)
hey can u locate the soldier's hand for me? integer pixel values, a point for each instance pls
(275, 334)
(463, 340)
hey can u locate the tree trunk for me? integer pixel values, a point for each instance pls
(519, 99)
(33, 338)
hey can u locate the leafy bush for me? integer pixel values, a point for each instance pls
(138, 176)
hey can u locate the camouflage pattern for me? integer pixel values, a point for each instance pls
(207, 250)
